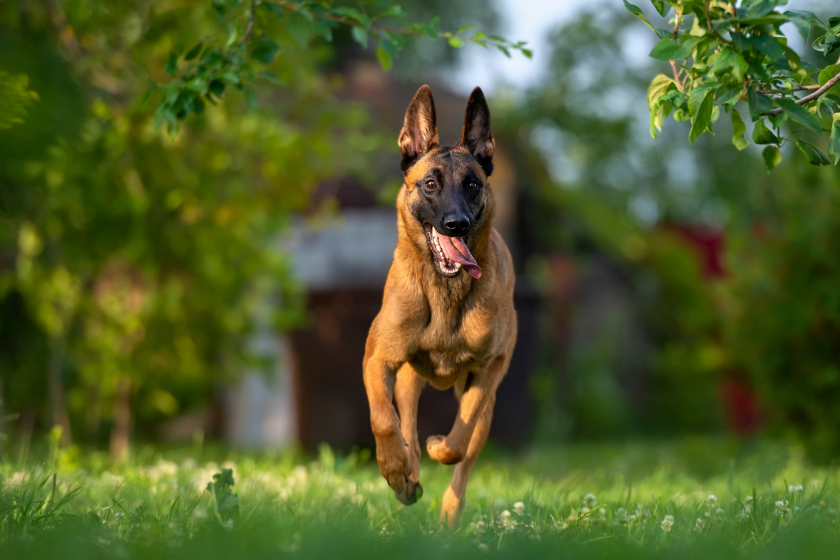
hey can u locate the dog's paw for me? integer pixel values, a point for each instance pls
(393, 462)
(412, 491)
(441, 452)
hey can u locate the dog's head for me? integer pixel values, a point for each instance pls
(447, 187)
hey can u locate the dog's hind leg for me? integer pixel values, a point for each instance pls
(407, 394)
(454, 497)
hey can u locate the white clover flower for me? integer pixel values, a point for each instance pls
(590, 500)
(699, 525)
(519, 508)
(719, 512)
(711, 501)
(480, 525)
(744, 516)
(621, 516)
(483, 548)
(795, 489)
(782, 508)
(602, 516)
(667, 523)
(506, 519)
(119, 517)
(228, 524)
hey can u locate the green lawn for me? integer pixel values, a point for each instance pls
(685, 499)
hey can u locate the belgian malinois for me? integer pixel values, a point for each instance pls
(447, 314)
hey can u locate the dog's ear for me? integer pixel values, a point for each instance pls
(419, 133)
(477, 136)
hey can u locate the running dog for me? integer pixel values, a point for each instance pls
(447, 314)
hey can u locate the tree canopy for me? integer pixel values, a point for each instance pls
(724, 54)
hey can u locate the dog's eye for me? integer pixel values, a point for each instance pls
(472, 185)
(430, 184)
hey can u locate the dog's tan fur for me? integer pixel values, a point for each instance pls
(450, 332)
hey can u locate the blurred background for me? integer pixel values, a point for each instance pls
(219, 285)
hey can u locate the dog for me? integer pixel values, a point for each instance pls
(447, 315)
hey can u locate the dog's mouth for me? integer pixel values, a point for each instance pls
(450, 254)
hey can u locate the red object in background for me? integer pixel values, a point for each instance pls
(740, 402)
(708, 245)
(741, 407)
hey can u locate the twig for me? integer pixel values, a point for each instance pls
(800, 88)
(250, 21)
(802, 100)
(676, 74)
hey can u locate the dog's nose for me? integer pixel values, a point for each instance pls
(457, 225)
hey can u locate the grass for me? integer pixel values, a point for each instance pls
(584, 501)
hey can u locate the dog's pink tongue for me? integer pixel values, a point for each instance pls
(456, 249)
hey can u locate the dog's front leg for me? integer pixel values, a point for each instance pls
(391, 450)
(452, 448)
(407, 394)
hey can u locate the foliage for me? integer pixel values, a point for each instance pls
(782, 306)
(227, 503)
(723, 54)
(596, 192)
(681, 499)
(257, 30)
(126, 255)
(15, 98)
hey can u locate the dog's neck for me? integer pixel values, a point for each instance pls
(445, 295)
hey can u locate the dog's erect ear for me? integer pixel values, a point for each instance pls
(419, 133)
(477, 136)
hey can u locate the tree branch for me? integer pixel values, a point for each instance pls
(676, 74)
(802, 100)
(250, 21)
(801, 88)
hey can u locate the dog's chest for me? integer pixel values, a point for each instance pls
(450, 347)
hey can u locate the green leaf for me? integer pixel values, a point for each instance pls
(385, 60)
(216, 87)
(360, 35)
(758, 103)
(171, 63)
(814, 155)
(738, 131)
(826, 74)
(394, 11)
(698, 94)
(658, 86)
(194, 52)
(354, 14)
(219, 7)
(763, 135)
(802, 22)
(638, 13)
(834, 140)
(728, 59)
(769, 46)
(661, 7)
(323, 28)
(801, 115)
(528, 53)
(772, 157)
(264, 51)
(455, 42)
(668, 49)
(702, 119)
(299, 28)
(728, 95)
